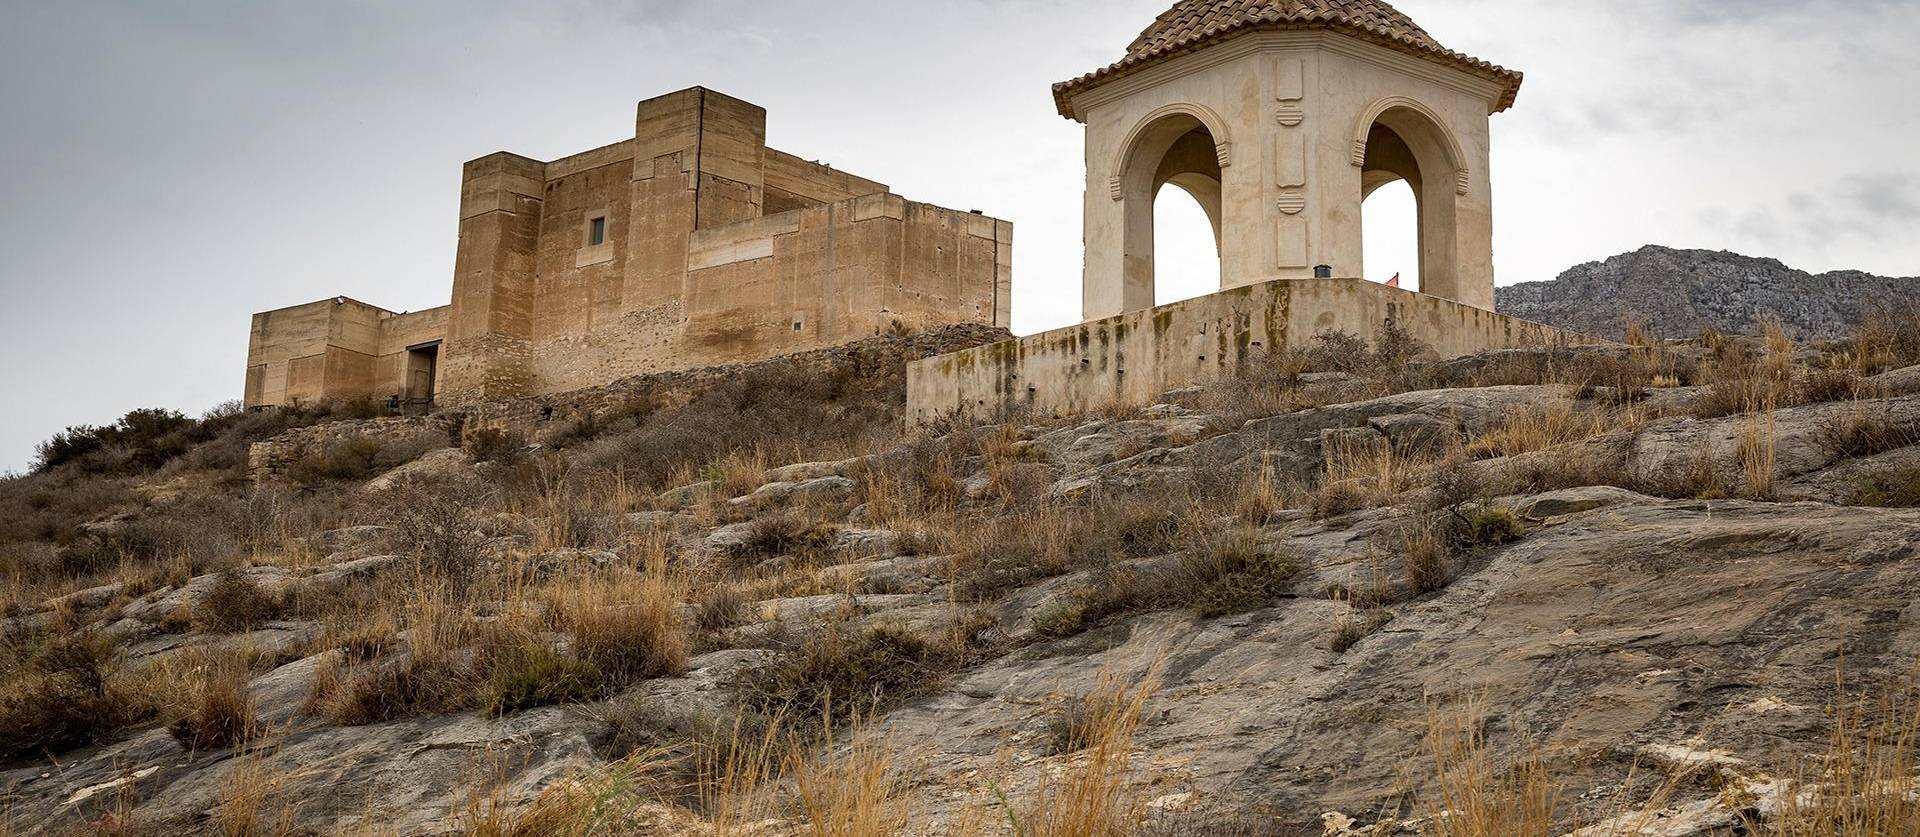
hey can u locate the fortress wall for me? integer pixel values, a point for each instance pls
(1132, 359)
(844, 271)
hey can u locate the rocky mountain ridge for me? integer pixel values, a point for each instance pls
(1676, 293)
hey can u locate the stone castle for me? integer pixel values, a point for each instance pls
(690, 244)
(694, 244)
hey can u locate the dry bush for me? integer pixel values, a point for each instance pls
(358, 457)
(522, 670)
(841, 669)
(919, 482)
(1131, 526)
(1888, 337)
(1218, 572)
(738, 472)
(788, 406)
(440, 520)
(1231, 571)
(1267, 384)
(252, 802)
(852, 790)
(61, 693)
(1369, 472)
(721, 607)
(1352, 623)
(220, 712)
(1006, 553)
(1863, 430)
(1819, 386)
(493, 444)
(1470, 794)
(1078, 721)
(1426, 557)
(1887, 486)
(235, 602)
(792, 533)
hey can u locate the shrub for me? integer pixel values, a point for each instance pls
(58, 697)
(1887, 486)
(530, 673)
(140, 441)
(1486, 525)
(440, 520)
(1861, 432)
(493, 444)
(1426, 558)
(841, 670)
(1352, 624)
(722, 607)
(1230, 571)
(1007, 553)
(787, 533)
(235, 602)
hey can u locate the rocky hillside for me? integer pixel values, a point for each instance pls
(1677, 293)
(1515, 593)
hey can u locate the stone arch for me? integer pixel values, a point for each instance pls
(1401, 139)
(1184, 145)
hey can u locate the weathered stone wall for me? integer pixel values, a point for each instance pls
(272, 458)
(1131, 359)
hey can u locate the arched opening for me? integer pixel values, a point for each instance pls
(1404, 144)
(1186, 247)
(1179, 150)
(1390, 217)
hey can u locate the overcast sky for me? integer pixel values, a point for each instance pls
(173, 166)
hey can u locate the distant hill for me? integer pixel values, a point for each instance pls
(1676, 293)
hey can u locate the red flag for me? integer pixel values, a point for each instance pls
(1394, 282)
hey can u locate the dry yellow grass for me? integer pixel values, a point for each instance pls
(1469, 795)
(1538, 427)
(625, 623)
(1864, 785)
(252, 804)
(1094, 797)
(1757, 449)
(852, 790)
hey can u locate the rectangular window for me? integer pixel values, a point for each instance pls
(596, 232)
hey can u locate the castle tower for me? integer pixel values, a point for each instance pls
(1280, 117)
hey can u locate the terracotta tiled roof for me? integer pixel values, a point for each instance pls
(1192, 24)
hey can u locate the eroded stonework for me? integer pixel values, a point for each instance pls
(692, 244)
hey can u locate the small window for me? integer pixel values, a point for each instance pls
(597, 232)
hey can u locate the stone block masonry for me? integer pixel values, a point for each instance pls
(692, 244)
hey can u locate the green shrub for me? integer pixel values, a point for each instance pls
(1483, 526)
